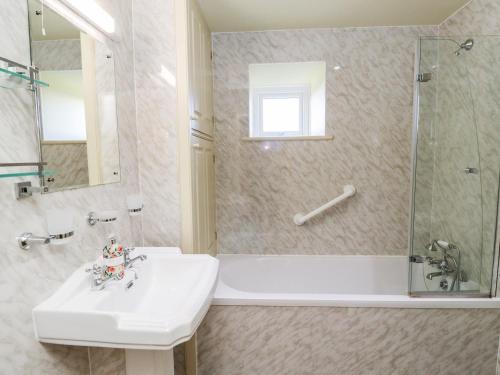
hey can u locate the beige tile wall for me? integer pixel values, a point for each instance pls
(482, 17)
(27, 278)
(262, 185)
(249, 340)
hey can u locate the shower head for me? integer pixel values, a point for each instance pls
(467, 45)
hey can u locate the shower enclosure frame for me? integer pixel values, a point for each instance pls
(414, 143)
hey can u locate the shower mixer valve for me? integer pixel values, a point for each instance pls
(448, 265)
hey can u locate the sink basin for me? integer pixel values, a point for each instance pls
(160, 309)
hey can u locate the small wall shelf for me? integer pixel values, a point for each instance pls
(14, 75)
(11, 79)
(45, 173)
(40, 173)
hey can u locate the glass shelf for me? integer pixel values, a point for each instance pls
(11, 79)
(45, 173)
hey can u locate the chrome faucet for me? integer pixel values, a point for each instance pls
(440, 245)
(448, 265)
(432, 275)
(129, 262)
(99, 278)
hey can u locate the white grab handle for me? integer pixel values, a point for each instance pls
(349, 191)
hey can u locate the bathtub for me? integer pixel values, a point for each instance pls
(330, 280)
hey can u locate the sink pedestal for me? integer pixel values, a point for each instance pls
(149, 362)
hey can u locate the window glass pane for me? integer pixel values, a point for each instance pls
(280, 115)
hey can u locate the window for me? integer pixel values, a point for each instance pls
(281, 111)
(287, 100)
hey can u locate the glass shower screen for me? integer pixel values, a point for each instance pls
(456, 166)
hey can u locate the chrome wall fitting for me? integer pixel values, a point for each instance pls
(93, 219)
(135, 211)
(26, 239)
(424, 77)
(25, 190)
(471, 170)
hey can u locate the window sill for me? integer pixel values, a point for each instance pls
(301, 138)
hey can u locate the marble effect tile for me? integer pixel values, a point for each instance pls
(57, 54)
(70, 163)
(479, 17)
(104, 361)
(464, 206)
(241, 340)
(155, 99)
(463, 121)
(261, 186)
(498, 360)
(29, 277)
(482, 17)
(154, 56)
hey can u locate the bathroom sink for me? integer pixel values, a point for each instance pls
(160, 309)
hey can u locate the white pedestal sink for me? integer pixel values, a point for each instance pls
(162, 308)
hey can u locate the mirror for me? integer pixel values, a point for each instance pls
(79, 136)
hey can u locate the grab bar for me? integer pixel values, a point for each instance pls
(349, 191)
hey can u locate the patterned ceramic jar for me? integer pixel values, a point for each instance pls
(114, 260)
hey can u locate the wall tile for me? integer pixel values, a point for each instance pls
(154, 57)
(30, 277)
(482, 17)
(261, 186)
(64, 54)
(241, 340)
(104, 361)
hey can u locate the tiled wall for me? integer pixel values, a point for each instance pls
(257, 187)
(467, 135)
(482, 17)
(155, 66)
(249, 340)
(28, 278)
(262, 185)
(64, 54)
(70, 161)
(458, 128)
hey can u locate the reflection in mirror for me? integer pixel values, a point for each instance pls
(79, 137)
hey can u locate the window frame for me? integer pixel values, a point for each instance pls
(301, 92)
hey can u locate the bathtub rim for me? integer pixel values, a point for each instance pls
(354, 300)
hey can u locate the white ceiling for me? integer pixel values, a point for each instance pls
(254, 15)
(56, 26)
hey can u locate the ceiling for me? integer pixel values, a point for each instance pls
(254, 15)
(56, 26)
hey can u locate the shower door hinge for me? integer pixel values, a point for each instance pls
(417, 259)
(424, 77)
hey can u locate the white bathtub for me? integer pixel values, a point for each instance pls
(341, 281)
